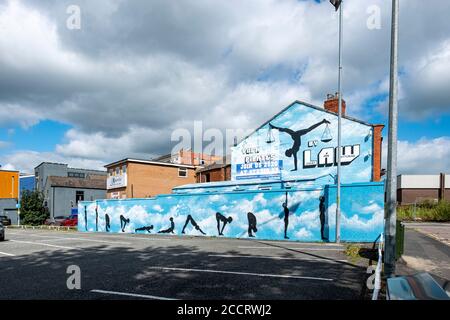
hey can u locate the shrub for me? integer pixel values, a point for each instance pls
(32, 210)
(426, 211)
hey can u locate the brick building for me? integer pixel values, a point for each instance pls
(189, 157)
(136, 178)
(418, 188)
(217, 171)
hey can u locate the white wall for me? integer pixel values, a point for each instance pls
(420, 181)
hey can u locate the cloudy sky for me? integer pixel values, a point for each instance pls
(137, 70)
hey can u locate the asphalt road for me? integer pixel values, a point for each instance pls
(34, 264)
(427, 249)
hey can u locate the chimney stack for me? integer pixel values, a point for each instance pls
(332, 103)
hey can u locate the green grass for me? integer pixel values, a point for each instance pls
(426, 211)
(352, 252)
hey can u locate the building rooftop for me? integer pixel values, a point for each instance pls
(153, 162)
(95, 182)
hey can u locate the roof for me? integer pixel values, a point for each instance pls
(310, 106)
(225, 163)
(66, 165)
(98, 182)
(152, 162)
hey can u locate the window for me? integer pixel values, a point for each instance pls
(79, 196)
(124, 169)
(117, 171)
(76, 175)
(182, 172)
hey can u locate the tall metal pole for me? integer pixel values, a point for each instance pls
(338, 182)
(391, 185)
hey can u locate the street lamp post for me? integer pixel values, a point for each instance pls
(391, 181)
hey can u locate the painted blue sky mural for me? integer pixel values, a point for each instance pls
(91, 96)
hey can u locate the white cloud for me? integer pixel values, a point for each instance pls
(425, 156)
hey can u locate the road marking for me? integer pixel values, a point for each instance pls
(89, 240)
(132, 295)
(8, 254)
(293, 248)
(243, 273)
(42, 244)
(273, 257)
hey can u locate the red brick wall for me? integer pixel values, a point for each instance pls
(377, 147)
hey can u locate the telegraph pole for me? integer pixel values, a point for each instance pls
(391, 182)
(338, 172)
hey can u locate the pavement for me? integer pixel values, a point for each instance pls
(34, 265)
(427, 249)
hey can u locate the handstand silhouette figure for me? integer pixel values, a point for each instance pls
(251, 224)
(123, 222)
(297, 137)
(286, 219)
(220, 217)
(146, 228)
(107, 225)
(322, 217)
(192, 221)
(169, 230)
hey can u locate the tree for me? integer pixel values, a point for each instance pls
(32, 210)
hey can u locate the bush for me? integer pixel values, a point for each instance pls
(32, 210)
(426, 211)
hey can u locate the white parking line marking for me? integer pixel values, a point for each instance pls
(132, 295)
(8, 254)
(293, 248)
(273, 257)
(55, 238)
(243, 273)
(42, 244)
(88, 240)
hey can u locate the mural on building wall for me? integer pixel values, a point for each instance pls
(301, 215)
(301, 142)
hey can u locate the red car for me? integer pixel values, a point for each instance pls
(71, 221)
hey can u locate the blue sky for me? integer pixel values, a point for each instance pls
(134, 73)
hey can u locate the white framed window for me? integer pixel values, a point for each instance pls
(124, 169)
(117, 171)
(182, 172)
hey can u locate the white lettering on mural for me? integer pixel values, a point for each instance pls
(327, 156)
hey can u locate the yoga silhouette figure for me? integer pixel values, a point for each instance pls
(192, 221)
(107, 225)
(146, 228)
(322, 217)
(169, 230)
(96, 218)
(123, 222)
(251, 224)
(220, 217)
(286, 219)
(296, 137)
(85, 217)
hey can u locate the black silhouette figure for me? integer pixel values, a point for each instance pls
(286, 219)
(96, 218)
(251, 224)
(107, 222)
(296, 136)
(322, 217)
(169, 230)
(123, 222)
(85, 217)
(220, 217)
(146, 228)
(192, 221)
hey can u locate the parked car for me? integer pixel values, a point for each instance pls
(56, 221)
(5, 220)
(71, 221)
(2, 232)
